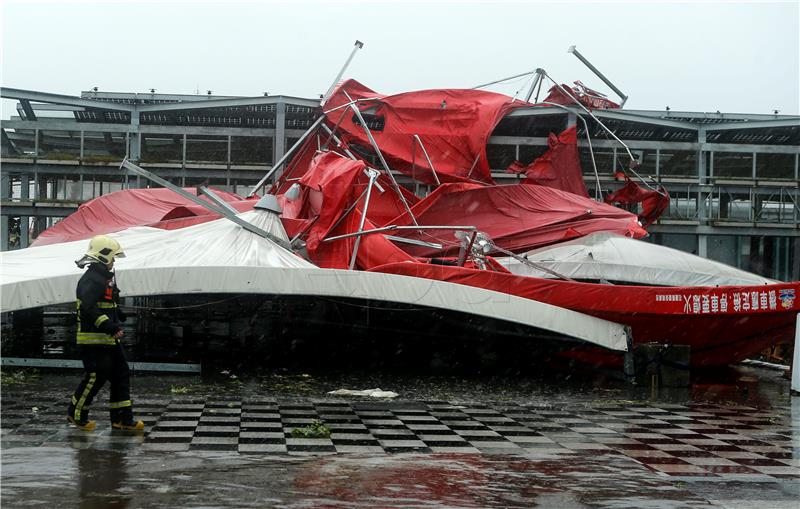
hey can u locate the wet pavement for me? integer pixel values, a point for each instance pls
(444, 442)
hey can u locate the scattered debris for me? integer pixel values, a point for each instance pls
(22, 376)
(177, 389)
(373, 393)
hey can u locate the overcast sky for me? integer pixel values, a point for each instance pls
(727, 56)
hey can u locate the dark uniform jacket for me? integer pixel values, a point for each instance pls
(98, 312)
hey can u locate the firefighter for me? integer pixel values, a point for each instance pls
(98, 339)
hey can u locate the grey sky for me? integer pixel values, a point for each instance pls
(727, 56)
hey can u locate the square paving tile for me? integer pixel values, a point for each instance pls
(262, 448)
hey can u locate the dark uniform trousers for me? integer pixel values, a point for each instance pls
(103, 363)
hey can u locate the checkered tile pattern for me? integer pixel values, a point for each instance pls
(710, 441)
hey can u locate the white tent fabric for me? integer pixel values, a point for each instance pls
(617, 258)
(221, 257)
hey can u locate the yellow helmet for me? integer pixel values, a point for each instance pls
(104, 249)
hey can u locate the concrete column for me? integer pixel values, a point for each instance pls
(280, 133)
(24, 188)
(702, 179)
(24, 224)
(658, 164)
(134, 140)
(5, 194)
(183, 156)
(702, 246)
(228, 163)
(3, 233)
(24, 221)
(572, 119)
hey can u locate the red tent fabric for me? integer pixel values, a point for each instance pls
(197, 210)
(373, 250)
(330, 181)
(580, 92)
(453, 125)
(117, 211)
(517, 218)
(332, 190)
(559, 167)
(654, 202)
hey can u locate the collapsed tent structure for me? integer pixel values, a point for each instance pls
(539, 253)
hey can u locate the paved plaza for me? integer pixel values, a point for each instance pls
(571, 452)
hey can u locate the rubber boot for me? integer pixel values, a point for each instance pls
(84, 423)
(122, 419)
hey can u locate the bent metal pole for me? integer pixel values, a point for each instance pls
(380, 156)
(358, 45)
(430, 163)
(213, 208)
(286, 156)
(373, 174)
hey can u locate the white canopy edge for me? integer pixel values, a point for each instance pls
(329, 283)
(617, 258)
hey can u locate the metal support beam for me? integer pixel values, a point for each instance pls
(221, 211)
(599, 75)
(357, 46)
(287, 155)
(211, 195)
(380, 156)
(756, 124)
(428, 158)
(536, 81)
(70, 126)
(504, 79)
(26, 107)
(373, 174)
(227, 103)
(68, 100)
